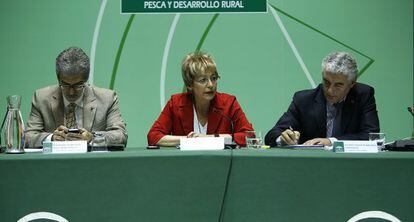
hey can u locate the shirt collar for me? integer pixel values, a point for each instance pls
(78, 102)
(332, 104)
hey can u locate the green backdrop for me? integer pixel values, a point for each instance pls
(252, 53)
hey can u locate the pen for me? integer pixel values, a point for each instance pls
(296, 138)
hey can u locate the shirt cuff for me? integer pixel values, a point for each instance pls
(48, 138)
(332, 139)
(279, 141)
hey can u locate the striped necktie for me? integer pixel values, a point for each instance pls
(330, 118)
(333, 119)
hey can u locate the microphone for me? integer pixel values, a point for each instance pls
(410, 110)
(233, 145)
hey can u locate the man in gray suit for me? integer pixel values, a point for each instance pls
(74, 104)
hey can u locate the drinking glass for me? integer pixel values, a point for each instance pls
(99, 143)
(254, 139)
(380, 138)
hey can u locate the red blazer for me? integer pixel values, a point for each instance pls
(177, 118)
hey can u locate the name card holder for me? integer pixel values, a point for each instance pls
(65, 147)
(202, 143)
(355, 146)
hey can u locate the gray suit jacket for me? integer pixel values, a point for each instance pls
(100, 113)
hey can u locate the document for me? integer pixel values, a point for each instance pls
(307, 147)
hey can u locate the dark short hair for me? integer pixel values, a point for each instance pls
(73, 61)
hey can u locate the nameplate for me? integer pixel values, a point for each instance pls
(355, 146)
(202, 143)
(65, 147)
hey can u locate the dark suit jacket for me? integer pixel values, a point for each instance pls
(177, 118)
(100, 113)
(307, 114)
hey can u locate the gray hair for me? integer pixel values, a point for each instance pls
(340, 63)
(72, 61)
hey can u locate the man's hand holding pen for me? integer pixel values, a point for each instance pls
(290, 137)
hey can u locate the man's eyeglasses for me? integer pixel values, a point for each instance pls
(204, 80)
(76, 87)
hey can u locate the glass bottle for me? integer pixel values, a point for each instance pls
(14, 127)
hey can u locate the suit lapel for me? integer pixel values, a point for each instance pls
(186, 114)
(57, 107)
(89, 108)
(348, 110)
(319, 112)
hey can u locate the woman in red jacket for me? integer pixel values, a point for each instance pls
(201, 111)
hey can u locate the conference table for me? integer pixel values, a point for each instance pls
(240, 185)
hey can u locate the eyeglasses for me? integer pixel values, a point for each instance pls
(76, 87)
(204, 80)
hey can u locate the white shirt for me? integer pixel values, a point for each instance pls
(198, 128)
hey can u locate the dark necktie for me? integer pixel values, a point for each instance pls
(336, 130)
(333, 120)
(330, 118)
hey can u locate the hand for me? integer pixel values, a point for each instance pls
(194, 135)
(317, 141)
(60, 134)
(290, 137)
(82, 135)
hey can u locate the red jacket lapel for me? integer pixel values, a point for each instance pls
(186, 113)
(215, 114)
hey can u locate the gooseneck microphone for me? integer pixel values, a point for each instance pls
(233, 145)
(228, 119)
(410, 109)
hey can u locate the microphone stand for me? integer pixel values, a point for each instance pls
(406, 144)
(410, 110)
(233, 145)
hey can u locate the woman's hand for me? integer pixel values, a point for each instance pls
(194, 135)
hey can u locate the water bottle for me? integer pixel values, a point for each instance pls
(13, 129)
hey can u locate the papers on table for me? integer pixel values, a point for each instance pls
(307, 147)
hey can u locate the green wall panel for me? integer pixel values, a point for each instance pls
(253, 57)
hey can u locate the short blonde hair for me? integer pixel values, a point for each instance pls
(195, 64)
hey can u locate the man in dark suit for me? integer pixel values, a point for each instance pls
(338, 109)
